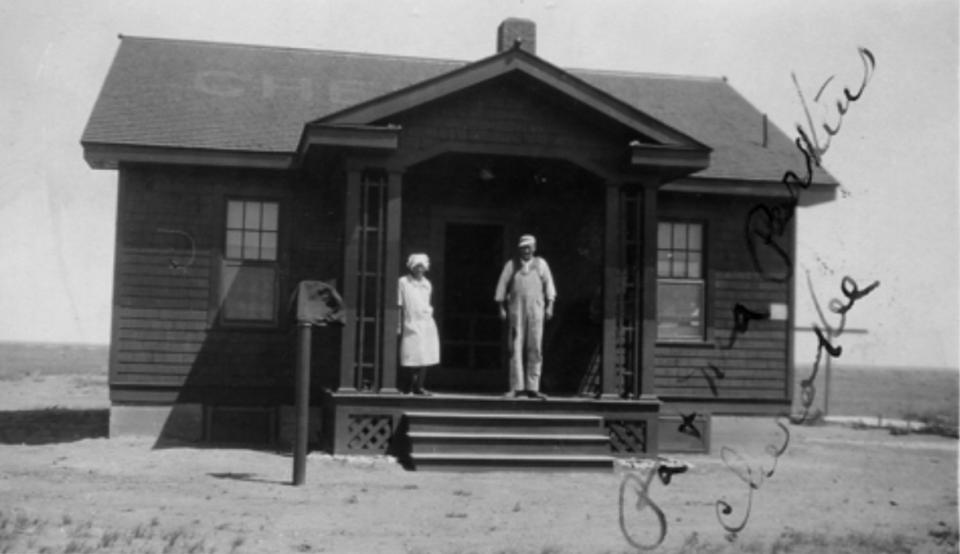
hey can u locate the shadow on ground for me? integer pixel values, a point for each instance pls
(53, 425)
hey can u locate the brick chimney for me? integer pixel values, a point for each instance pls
(513, 29)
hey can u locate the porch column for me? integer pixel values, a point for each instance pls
(391, 273)
(611, 279)
(648, 253)
(351, 259)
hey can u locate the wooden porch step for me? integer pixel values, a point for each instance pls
(500, 422)
(511, 462)
(512, 443)
(466, 440)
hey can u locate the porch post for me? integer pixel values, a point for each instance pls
(391, 273)
(611, 278)
(351, 258)
(648, 322)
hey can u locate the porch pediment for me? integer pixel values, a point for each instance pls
(557, 102)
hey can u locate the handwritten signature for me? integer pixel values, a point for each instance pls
(739, 466)
(765, 227)
(639, 485)
(850, 289)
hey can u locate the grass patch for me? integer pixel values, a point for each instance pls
(20, 532)
(934, 424)
(796, 542)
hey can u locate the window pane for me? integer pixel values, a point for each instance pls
(270, 216)
(251, 245)
(679, 266)
(268, 246)
(680, 310)
(248, 292)
(251, 216)
(696, 237)
(693, 265)
(680, 236)
(234, 244)
(663, 236)
(234, 214)
(663, 263)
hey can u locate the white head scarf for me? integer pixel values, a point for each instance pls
(418, 259)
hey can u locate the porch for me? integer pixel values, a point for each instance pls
(460, 166)
(476, 431)
(489, 431)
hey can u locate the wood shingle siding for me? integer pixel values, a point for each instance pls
(170, 228)
(503, 116)
(756, 364)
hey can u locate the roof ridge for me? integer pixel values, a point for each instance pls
(627, 73)
(244, 45)
(614, 72)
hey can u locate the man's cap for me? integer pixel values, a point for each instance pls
(527, 240)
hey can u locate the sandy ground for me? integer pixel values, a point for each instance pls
(835, 489)
(833, 486)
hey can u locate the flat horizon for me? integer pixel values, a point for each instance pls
(798, 364)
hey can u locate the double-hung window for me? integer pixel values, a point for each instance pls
(249, 273)
(680, 283)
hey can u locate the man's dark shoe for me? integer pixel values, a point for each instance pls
(536, 394)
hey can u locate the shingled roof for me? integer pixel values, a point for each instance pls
(231, 97)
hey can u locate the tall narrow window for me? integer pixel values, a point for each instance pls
(248, 286)
(680, 284)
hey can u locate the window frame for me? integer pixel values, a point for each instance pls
(706, 333)
(224, 262)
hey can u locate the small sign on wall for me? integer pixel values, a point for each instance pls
(778, 312)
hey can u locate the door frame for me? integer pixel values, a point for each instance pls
(491, 381)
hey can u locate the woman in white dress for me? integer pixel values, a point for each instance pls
(419, 341)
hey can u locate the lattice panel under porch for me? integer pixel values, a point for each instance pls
(369, 433)
(627, 436)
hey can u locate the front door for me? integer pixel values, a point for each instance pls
(471, 333)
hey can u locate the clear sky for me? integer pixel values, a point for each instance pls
(896, 155)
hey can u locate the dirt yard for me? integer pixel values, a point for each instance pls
(835, 489)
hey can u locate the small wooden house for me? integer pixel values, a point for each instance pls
(244, 170)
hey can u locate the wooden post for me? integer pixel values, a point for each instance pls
(391, 273)
(351, 253)
(304, 336)
(611, 278)
(648, 336)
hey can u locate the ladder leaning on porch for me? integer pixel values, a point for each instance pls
(590, 384)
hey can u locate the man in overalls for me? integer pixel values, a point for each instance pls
(525, 295)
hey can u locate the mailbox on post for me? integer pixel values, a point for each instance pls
(317, 303)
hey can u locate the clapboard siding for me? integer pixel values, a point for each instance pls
(170, 223)
(753, 364)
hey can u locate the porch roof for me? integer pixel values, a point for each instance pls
(255, 100)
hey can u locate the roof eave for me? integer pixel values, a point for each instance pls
(672, 162)
(101, 155)
(383, 138)
(816, 193)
